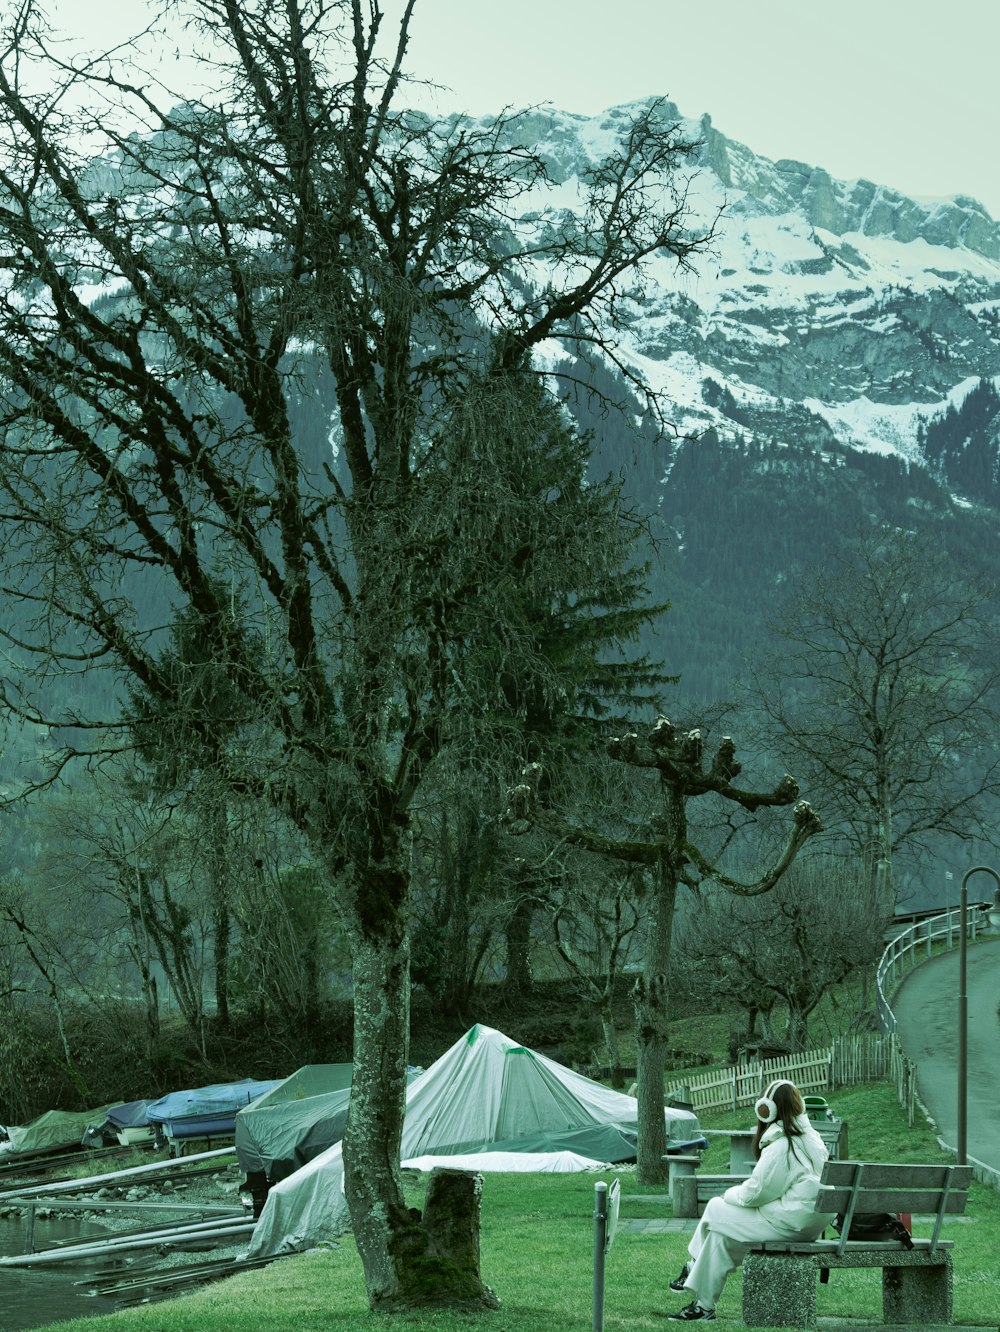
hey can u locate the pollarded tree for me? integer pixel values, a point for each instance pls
(683, 773)
(242, 366)
(884, 686)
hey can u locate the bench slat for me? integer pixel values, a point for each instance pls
(852, 1246)
(890, 1200)
(882, 1175)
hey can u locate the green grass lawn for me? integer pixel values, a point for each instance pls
(537, 1253)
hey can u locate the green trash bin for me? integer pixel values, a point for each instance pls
(817, 1107)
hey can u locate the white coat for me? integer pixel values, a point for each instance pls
(785, 1181)
(775, 1202)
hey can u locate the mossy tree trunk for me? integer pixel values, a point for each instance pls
(409, 1260)
(350, 586)
(651, 1000)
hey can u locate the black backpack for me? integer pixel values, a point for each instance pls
(875, 1227)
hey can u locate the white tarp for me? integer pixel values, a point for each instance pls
(550, 1163)
(486, 1088)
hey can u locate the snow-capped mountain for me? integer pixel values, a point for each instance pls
(834, 359)
(843, 310)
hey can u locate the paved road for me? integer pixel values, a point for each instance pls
(926, 1009)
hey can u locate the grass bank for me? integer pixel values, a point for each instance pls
(537, 1253)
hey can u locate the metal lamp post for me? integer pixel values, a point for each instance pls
(963, 1010)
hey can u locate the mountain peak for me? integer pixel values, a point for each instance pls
(843, 207)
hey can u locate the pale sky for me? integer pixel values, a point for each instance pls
(903, 92)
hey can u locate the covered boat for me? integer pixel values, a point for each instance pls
(485, 1093)
(204, 1112)
(296, 1120)
(53, 1130)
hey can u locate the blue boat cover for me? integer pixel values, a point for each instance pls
(131, 1114)
(201, 1126)
(221, 1100)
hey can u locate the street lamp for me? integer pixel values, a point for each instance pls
(963, 1011)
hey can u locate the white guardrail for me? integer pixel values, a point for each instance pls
(920, 938)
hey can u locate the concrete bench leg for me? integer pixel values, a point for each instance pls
(685, 1195)
(779, 1291)
(918, 1294)
(680, 1167)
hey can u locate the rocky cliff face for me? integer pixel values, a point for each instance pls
(841, 311)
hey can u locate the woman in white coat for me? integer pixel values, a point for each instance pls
(774, 1203)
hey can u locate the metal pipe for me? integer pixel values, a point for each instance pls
(600, 1235)
(165, 1231)
(121, 1205)
(95, 1250)
(175, 1167)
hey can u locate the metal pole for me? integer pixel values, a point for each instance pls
(600, 1233)
(963, 1029)
(963, 1014)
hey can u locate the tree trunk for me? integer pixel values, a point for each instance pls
(798, 1030)
(409, 1261)
(885, 885)
(217, 824)
(650, 998)
(451, 1221)
(151, 999)
(610, 1033)
(518, 936)
(141, 952)
(220, 932)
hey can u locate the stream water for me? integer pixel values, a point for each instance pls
(32, 1297)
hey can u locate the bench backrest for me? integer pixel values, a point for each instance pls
(855, 1187)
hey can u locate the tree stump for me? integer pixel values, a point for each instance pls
(442, 1252)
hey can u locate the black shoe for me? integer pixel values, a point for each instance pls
(691, 1313)
(678, 1281)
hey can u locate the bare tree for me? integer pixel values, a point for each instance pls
(595, 919)
(683, 773)
(137, 863)
(288, 943)
(44, 951)
(789, 947)
(266, 365)
(883, 686)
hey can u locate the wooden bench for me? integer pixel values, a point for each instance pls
(834, 1135)
(779, 1277)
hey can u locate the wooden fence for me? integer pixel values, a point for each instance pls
(849, 1060)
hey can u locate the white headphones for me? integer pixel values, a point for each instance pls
(765, 1109)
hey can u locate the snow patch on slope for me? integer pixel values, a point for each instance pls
(886, 428)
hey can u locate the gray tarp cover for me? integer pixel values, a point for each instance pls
(56, 1128)
(295, 1121)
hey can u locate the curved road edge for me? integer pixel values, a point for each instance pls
(926, 1011)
